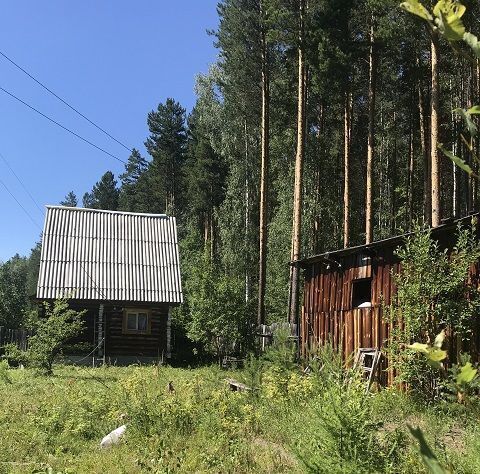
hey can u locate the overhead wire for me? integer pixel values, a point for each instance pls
(21, 183)
(64, 101)
(20, 204)
(62, 126)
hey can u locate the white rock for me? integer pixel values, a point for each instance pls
(366, 304)
(113, 437)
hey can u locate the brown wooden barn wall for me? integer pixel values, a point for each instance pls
(327, 313)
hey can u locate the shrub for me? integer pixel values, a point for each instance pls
(4, 375)
(433, 293)
(342, 434)
(218, 315)
(58, 327)
(13, 355)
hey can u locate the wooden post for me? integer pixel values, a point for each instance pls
(169, 333)
(101, 335)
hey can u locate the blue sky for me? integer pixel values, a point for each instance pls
(112, 60)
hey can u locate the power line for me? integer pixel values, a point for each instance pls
(62, 126)
(21, 183)
(64, 101)
(19, 203)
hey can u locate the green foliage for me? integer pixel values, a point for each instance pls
(343, 433)
(13, 292)
(446, 19)
(58, 422)
(14, 355)
(52, 332)
(4, 375)
(428, 456)
(434, 355)
(433, 293)
(104, 194)
(134, 192)
(70, 200)
(282, 353)
(218, 316)
(166, 144)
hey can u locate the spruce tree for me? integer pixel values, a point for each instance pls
(166, 144)
(104, 194)
(70, 200)
(134, 193)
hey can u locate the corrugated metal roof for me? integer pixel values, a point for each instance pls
(447, 224)
(91, 254)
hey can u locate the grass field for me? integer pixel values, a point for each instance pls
(291, 424)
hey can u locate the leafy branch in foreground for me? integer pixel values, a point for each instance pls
(465, 377)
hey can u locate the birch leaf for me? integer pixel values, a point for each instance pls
(416, 8)
(448, 15)
(467, 374)
(418, 347)
(474, 110)
(473, 42)
(428, 456)
(458, 161)
(472, 128)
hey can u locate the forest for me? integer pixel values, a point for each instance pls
(315, 129)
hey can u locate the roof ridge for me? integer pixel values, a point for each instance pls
(106, 211)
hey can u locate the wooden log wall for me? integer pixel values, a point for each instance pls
(136, 345)
(116, 342)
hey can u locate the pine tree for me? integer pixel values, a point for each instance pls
(104, 194)
(205, 174)
(166, 144)
(70, 200)
(134, 194)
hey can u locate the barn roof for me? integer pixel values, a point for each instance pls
(91, 254)
(447, 225)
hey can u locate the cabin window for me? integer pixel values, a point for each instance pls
(362, 293)
(136, 321)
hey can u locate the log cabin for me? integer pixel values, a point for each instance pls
(123, 269)
(345, 292)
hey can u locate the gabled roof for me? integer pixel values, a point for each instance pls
(91, 254)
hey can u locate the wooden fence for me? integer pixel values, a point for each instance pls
(19, 337)
(265, 333)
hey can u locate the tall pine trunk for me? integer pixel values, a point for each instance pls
(371, 133)
(410, 174)
(263, 182)
(297, 198)
(247, 212)
(427, 207)
(434, 117)
(346, 168)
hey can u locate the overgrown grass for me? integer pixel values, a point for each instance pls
(292, 423)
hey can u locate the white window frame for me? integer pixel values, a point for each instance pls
(136, 312)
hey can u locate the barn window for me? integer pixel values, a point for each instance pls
(362, 293)
(136, 321)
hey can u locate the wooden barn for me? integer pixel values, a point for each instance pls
(345, 291)
(123, 268)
